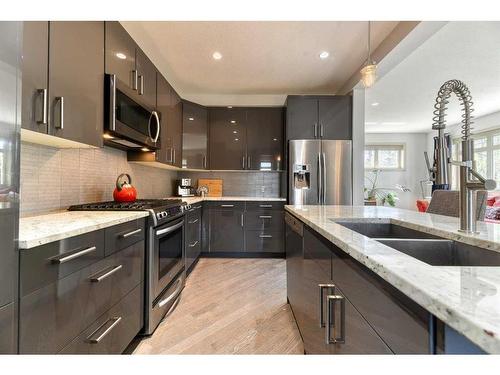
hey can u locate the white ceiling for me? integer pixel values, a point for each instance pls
(262, 61)
(469, 51)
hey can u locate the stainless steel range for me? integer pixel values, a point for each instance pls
(165, 258)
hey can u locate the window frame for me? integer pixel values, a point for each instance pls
(379, 146)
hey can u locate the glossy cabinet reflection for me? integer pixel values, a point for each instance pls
(120, 54)
(194, 135)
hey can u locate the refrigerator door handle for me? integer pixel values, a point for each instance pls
(323, 183)
(320, 180)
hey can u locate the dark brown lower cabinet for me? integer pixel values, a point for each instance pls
(226, 229)
(8, 329)
(193, 235)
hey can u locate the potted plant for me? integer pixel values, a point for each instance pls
(382, 194)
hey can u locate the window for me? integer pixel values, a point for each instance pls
(385, 156)
(486, 156)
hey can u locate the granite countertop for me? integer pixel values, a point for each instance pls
(42, 229)
(465, 298)
(192, 200)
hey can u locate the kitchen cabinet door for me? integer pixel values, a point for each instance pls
(165, 153)
(226, 230)
(301, 117)
(335, 117)
(146, 78)
(76, 80)
(35, 67)
(193, 235)
(265, 138)
(120, 53)
(227, 138)
(175, 128)
(194, 135)
(8, 328)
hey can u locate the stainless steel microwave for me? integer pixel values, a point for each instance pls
(129, 123)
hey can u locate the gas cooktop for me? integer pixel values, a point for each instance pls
(160, 210)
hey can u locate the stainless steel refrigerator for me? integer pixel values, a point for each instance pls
(10, 86)
(320, 172)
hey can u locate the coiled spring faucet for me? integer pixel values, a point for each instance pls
(470, 179)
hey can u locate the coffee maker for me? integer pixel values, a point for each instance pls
(184, 188)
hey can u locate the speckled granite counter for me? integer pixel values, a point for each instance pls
(192, 200)
(465, 298)
(41, 229)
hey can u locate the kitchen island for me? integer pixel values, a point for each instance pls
(465, 298)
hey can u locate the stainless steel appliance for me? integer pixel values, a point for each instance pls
(129, 123)
(320, 172)
(165, 256)
(10, 78)
(184, 188)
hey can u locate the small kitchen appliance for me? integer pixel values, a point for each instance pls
(184, 188)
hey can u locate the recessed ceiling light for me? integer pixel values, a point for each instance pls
(236, 139)
(323, 55)
(145, 149)
(121, 55)
(233, 121)
(275, 139)
(191, 119)
(374, 104)
(235, 132)
(217, 55)
(229, 106)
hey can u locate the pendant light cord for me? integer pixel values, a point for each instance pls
(369, 47)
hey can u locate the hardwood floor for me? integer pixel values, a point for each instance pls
(229, 306)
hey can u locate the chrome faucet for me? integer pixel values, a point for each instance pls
(470, 179)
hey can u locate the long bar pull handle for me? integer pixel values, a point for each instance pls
(96, 279)
(114, 321)
(193, 244)
(330, 320)
(141, 85)
(126, 235)
(320, 181)
(265, 217)
(78, 254)
(323, 184)
(315, 127)
(173, 160)
(265, 205)
(322, 287)
(242, 220)
(227, 205)
(193, 221)
(249, 160)
(170, 229)
(135, 78)
(60, 99)
(243, 162)
(321, 130)
(265, 236)
(43, 119)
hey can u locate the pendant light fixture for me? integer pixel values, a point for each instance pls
(369, 71)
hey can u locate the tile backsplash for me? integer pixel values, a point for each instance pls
(251, 184)
(53, 179)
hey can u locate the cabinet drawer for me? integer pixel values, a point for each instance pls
(227, 205)
(112, 332)
(52, 316)
(48, 263)
(265, 205)
(123, 235)
(269, 221)
(399, 321)
(264, 242)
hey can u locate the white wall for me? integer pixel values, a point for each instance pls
(358, 145)
(415, 169)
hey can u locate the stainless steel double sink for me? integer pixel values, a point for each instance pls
(433, 250)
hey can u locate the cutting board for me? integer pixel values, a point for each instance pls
(214, 186)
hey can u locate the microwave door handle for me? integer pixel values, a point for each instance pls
(169, 229)
(157, 119)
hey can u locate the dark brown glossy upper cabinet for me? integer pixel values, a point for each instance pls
(76, 81)
(35, 76)
(227, 138)
(194, 135)
(169, 105)
(120, 54)
(319, 117)
(265, 139)
(146, 78)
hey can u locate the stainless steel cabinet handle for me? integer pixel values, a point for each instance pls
(114, 321)
(242, 220)
(265, 217)
(126, 235)
(321, 130)
(324, 183)
(134, 79)
(176, 292)
(266, 236)
(243, 162)
(315, 126)
(331, 324)
(60, 99)
(323, 287)
(227, 205)
(249, 162)
(69, 257)
(320, 181)
(193, 244)
(170, 229)
(96, 279)
(265, 205)
(43, 119)
(141, 85)
(171, 160)
(193, 221)
(204, 162)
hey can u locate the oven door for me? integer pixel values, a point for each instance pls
(168, 255)
(128, 119)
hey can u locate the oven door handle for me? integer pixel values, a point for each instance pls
(169, 229)
(180, 282)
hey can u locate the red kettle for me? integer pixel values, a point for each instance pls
(124, 191)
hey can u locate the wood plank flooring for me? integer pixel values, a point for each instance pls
(229, 306)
